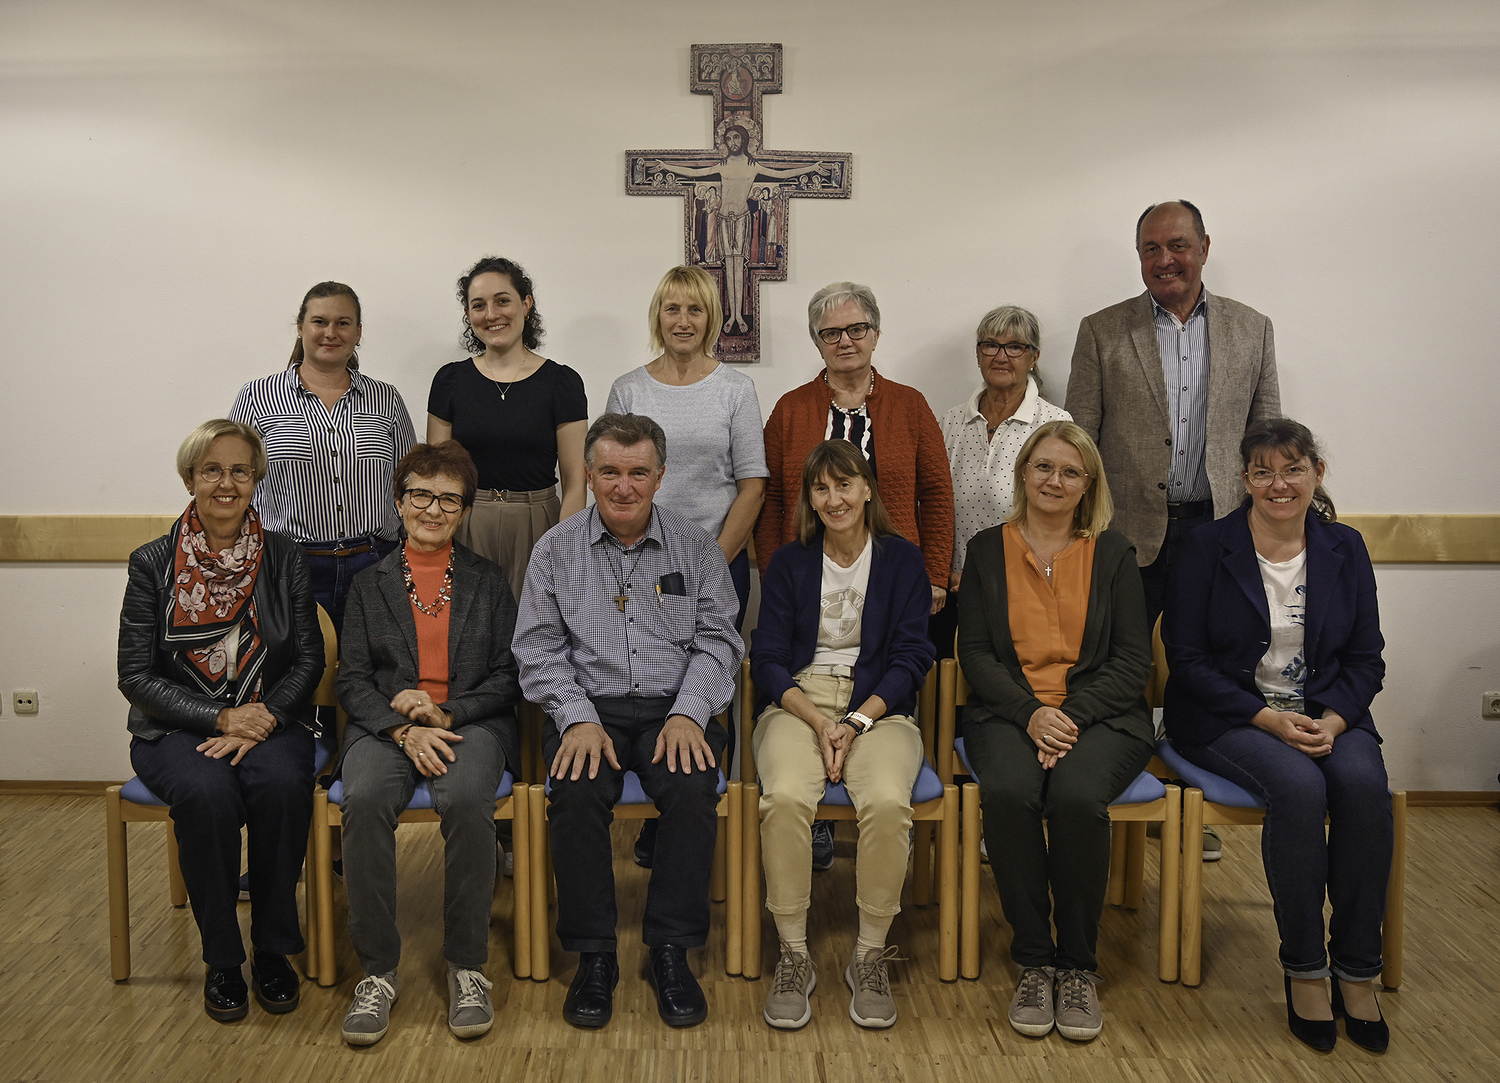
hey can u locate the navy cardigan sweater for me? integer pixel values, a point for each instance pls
(1217, 626)
(894, 651)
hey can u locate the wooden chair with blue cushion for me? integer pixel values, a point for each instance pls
(134, 803)
(1146, 800)
(935, 806)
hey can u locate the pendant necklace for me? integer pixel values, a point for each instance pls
(1046, 564)
(503, 390)
(621, 577)
(445, 593)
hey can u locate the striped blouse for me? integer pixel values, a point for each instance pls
(330, 470)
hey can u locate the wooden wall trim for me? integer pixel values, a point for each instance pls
(1452, 798)
(1393, 539)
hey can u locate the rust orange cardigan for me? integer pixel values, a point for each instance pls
(915, 482)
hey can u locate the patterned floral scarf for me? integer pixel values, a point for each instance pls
(211, 612)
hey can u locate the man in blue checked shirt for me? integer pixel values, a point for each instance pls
(625, 637)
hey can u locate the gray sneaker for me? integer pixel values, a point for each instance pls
(788, 1006)
(872, 1004)
(470, 1012)
(1079, 1015)
(1213, 848)
(1031, 1007)
(370, 1015)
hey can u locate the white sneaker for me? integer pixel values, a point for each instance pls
(369, 1016)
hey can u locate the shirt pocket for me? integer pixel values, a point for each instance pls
(286, 436)
(679, 618)
(374, 437)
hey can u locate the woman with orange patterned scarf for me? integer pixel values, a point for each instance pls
(219, 653)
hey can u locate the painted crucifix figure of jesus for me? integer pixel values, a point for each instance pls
(737, 173)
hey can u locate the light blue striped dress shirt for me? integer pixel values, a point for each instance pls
(1184, 367)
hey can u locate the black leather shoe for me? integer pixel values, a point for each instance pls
(225, 997)
(591, 997)
(277, 987)
(678, 996)
(645, 844)
(1374, 1036)
(1319, 1034)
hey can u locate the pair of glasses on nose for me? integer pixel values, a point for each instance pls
(831, 335)
(991, 348)
(1260, 477)
(1041, 469)
(421, 499)
(213, 473)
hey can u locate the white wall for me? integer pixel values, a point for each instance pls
(174, 175)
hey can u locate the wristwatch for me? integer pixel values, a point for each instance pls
(861, 723)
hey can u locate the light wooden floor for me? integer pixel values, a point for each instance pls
(62, 1018)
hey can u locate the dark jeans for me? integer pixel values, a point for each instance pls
(332, 576)
(1016, 795)
(581, 812)
(379, 780)
(1155, 575)
(271, 793)
(1352, 864)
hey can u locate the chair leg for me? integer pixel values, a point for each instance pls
(750, 830)
(541, 941)
(968, 922)
(1192, 890)
(1393, 931)
(734, 860)
(1135, 863)
(716, 880)
(921, 865)
(175, 884)
(520, 810)
(323, 887)
(947, 833)
(1169, 902)
(119, 885)
(1118, 858)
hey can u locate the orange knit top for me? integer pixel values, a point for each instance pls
(427, 572)
(1046, 618)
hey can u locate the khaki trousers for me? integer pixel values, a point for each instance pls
(879, 772)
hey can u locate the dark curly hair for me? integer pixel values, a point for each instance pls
(531, 334)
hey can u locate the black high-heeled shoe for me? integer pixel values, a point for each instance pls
(1374, 1036)
(1319, 1034)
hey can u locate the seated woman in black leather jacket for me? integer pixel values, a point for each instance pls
(219, 653)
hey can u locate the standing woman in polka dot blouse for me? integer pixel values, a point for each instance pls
(985, 432)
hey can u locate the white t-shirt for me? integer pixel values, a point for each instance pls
(841, 613)
(1282, 670)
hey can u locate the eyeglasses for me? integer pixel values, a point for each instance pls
(213, 473)
(422, 499)
(1260, 477)
(990, 348)
(831, 335)
(1070, 475)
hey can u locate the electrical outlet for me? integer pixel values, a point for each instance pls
(1489, 705)
(24, 700)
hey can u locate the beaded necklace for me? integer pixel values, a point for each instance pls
(445, 593)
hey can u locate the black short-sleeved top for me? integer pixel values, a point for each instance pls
(513, 440)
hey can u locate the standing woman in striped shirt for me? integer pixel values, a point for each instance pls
(520, 416)
(333, 437)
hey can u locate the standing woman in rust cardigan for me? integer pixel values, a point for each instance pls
(889, 422)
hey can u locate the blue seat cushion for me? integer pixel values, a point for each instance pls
(634, 794)
(422, 798)
(1146, 787)
(1215, 788)
(928, 787)
(135, 790)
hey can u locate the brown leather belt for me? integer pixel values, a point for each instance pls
(352, 551)
(514, 496)
(1191, 509)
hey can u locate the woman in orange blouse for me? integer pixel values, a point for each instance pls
(1051, 636)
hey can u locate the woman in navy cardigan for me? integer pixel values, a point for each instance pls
(1273, 638)
(840, 651)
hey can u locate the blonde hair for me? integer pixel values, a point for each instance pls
(192, 450)
(1095, 508)
(699, 286)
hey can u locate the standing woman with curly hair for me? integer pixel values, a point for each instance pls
(520, 416)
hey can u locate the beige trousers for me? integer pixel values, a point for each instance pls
(879, 772)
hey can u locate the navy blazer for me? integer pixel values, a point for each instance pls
(378, 652)
(1217, 626)
(894, 651)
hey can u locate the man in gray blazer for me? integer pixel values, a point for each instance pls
(1166, 383)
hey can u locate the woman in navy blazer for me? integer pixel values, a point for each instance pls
(840, 651)
(1273, 637)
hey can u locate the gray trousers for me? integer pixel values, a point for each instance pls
(379, 780)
